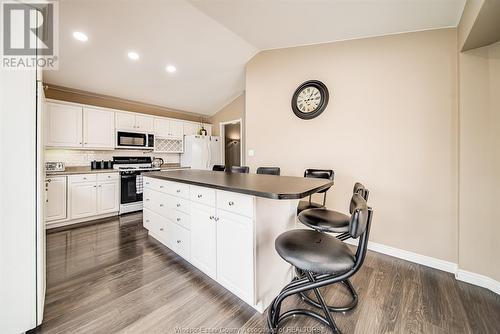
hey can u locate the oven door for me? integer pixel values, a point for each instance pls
(131, 140)
(128, 188)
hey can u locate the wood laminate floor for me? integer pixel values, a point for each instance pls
(112, 278)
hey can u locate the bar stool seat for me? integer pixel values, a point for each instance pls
(324, 220)
(315, 252)
(304, 205)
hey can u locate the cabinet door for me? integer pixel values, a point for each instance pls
(108, 197)
(63, 125)
(235, 265)
(161, 126)
(203, 239)
(55, 202)
(144, 123)
(176, 129)
(125, 121)
(83, 199)
(190, 128)
(98, 128)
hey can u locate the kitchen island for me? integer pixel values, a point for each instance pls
(225, 225)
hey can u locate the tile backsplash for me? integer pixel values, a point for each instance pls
(84, 157)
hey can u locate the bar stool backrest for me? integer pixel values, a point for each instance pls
(361, 190)
(327, 174)
(240, 169)
(268, 170)
(359, 217)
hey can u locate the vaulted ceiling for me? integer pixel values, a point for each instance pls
(210, 41)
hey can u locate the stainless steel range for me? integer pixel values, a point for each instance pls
(131, 169)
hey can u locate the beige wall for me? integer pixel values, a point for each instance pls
(391, 123)
(234, 110)
(479, 246)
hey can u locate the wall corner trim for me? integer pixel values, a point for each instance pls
(479, 280)
(461, 275)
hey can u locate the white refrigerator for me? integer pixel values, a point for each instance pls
(201, 152)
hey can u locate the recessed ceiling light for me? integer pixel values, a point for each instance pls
(170, 69)
(133, 55)
(80, 36)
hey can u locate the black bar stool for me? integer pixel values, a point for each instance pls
(324, 259)
(240, 169)
(268, 170)
(315, 173)
(219, 168)
(329, 221)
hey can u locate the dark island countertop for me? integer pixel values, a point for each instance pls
(268, 186)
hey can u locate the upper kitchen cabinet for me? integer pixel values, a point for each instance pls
(98, 128)
(63, 125)
(168, 128)
(128, 121)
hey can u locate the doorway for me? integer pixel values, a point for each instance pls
(231, 134)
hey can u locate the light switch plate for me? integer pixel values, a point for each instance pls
(251, 153)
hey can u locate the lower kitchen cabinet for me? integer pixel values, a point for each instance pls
(203, 239)
(108, 196)
(83, 199)
(235, 254)
(55, 198)
(216, 237)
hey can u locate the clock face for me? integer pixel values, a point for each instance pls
(310, 99)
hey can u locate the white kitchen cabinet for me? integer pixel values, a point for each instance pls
(203, 239)
(144, 123)
(180, 240)
(55, 200)
(168, 128)
(63, 125)
(125, 121)
(98, 128)
(235, 268)
(108, 196)
(132, 122)
(83, 199)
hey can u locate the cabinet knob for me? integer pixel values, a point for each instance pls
(147, 199)
(216, 219)
(231, 203)
(178, 241)
(178, 219)
(49, 180)
(84, 178)
(95, 186)
(161, 228)
(200, 195)
(161, 205)
(178, 205)
(161, 187)
(178, 190)
(212, 217)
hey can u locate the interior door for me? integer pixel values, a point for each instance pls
(108, 197)
(98, 128)
(63, 125)
(83, 198)
(203, 239)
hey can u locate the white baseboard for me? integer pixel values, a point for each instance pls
(461, 275)
(479, 280)
(410, 256)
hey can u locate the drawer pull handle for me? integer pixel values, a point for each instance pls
(161, 228)
(147, 199)
(161, 187)
(178, 190)
(147, 220)
(178, 219)
(178, 241)
(200, 195)
(231, 203)
(161, 205)
(84, 178)
(147, 183)
(178, 205)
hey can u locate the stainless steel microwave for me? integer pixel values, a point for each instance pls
(135, 140)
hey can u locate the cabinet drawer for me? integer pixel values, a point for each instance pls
(181, 218)
(181, 204)
(157, 184)
(236, 203)
(156, 224)
(180, 242)
(156, 201)
(82, 178)
(202, 195)
(107, 176)
(179, 189)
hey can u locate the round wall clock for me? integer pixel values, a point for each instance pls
(310, 99)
